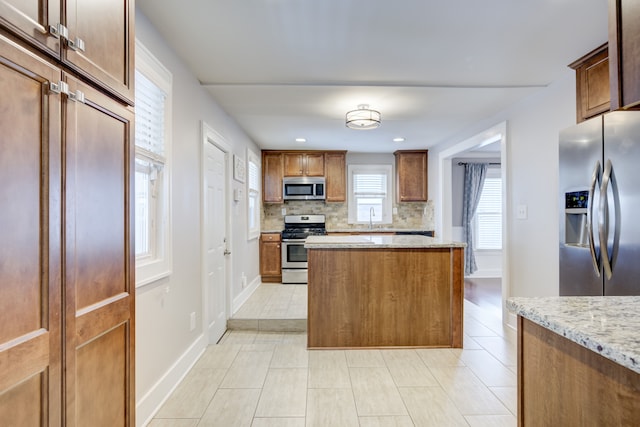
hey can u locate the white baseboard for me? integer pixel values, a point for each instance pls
(245, 294)
(150, 403)
(486, 274)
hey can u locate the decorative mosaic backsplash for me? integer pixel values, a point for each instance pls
(414, 215)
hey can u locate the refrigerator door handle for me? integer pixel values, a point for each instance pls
(595, 179)
(603, 220)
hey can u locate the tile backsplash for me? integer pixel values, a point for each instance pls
(414, 215)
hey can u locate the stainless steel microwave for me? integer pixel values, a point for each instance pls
(303, 188)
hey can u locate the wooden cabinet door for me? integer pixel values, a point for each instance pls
(30, 20)
(303, 164)
(100, 286)
(272, 172)
(30, 246)
(270, 255)
(314, 164)
(293, 164)
(336, 177)
(624, 53)
(592, 84)
(107, 30)
(411, 176)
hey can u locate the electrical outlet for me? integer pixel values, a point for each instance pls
(192, 319)
(284, 211)
(521, 212)
(243, 279)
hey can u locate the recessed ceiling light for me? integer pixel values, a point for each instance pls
(301, 140)
(399, 139)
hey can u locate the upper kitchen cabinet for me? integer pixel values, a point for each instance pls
(411, 175)
(624, 53)
(592, 84)
(303, 164)
(336, 177)
(31, 20)
(94, 39)
(272, 172)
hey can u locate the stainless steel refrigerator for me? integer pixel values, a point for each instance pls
(600, 206)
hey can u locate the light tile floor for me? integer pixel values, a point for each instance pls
(270, 379)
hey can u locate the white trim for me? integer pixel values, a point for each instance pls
(149, 404)
(387, 169)
(254, 234)
(245, 294)
(209, 135)
(444, 208)
(151, 67)
(160, 267)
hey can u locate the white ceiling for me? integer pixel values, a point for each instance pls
(285, 69)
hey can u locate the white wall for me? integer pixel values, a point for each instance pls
(532, 179)
(165, 348)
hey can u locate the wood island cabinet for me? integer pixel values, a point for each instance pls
(592, 84)
(67, 285)
(335, 169)
(270, 257)
(411, 175)
(304, 164)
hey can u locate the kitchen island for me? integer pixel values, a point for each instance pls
(578, 361)
(379, 291)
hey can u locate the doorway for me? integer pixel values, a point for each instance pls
(478, 147)
(215, 233)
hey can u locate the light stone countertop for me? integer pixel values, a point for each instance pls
(378, 241)
(609, 326)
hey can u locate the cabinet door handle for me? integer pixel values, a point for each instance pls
(76, 45)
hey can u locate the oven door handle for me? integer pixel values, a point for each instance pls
(293, 240)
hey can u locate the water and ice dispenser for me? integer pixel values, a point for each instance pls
(576, 220)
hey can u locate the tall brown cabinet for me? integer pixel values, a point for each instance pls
(66, 253)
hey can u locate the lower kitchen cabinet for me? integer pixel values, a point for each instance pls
(270, 257)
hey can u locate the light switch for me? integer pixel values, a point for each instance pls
(521, 212)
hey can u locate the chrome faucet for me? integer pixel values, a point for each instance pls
(372, 213)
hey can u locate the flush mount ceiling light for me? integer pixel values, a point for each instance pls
(363, 118)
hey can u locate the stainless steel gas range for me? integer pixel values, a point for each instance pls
(294, 256)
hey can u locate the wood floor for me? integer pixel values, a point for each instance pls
(485, 293)
(258, 378)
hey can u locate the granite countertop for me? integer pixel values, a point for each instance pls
(378, 241)
(606, 325)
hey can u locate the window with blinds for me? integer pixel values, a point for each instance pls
(253, 196)
(152, 149)
(370, 194)
(488, 218)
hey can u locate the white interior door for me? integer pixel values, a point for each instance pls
(215, 242)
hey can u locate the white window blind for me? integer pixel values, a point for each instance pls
(489, 215)
(150, 115)
(370, 194)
